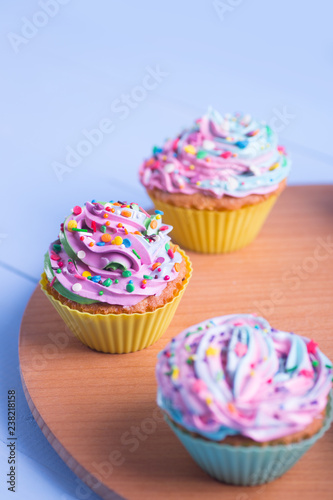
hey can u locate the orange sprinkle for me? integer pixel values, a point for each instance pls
(126, 232)
(126, 213)
(113, 210)
(119, 224)
(231, 408)
(136, 232)
(91, 244)
(107, 223)
(153, 224)
(154, 266)
(106, 216)
(144, 282)
(117, 204)
(177, 267)
(106, 237)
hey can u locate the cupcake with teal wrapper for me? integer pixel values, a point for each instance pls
(217, 181)
(245, 400)
(114, 275)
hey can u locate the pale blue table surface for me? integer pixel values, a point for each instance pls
(260, 57)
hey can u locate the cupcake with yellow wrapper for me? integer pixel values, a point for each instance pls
(114, 276)
(217, 181)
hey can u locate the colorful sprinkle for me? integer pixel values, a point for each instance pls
(117, 241)
(130, 287)
(106, 237)
(71, 224)
(76, 287)
(136, 254)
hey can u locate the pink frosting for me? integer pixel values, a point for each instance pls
(237, 375)
(233, 155)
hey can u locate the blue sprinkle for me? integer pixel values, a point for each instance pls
(127, 242)
(100, 244)
(159, 212)
(157, 150)
(93, 201)
(242, 144)
(131, 281)
(96, 279)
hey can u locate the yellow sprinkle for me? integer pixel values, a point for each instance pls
(192, 167)
(229, 139)
(209, 400)
(71, 224)
(198, 183)
(252, 373)
(274, 166)
(164, 157)
(117, 241)
(158, 216)
(190, 149)
(211, 351)
(85, 274)
(175, 373)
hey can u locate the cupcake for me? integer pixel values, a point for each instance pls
(114, 276)
(246, 400)
(217, 181)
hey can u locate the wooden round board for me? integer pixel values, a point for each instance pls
(99, 410)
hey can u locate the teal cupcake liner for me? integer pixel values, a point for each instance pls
(247, 465)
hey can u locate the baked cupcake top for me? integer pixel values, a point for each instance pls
(113, 252)
(236, 375)
(233, 155)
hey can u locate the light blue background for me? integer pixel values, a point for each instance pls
(260, 57)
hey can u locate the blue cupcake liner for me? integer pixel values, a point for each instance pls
(247, 465)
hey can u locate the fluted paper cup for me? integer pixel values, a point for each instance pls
(247, 465)
(213, 231)
(120, 333)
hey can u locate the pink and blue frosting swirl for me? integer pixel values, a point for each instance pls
(235, 375)
(232, 155)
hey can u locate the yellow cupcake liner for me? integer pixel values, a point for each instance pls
(213, 231)
(120, 333)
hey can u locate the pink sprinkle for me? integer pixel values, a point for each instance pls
(60, 264)
(143, 286)
(166, 277)
(55, 257)
(239, 323)
(198, 385)
(79, 277)
(306, 373)
(52, 282)
(170, 253)
(77, 210)
(159, 269)
(146, 213)
(164, 228)
(226, 154)
(240, 349)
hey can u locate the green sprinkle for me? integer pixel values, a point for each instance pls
(130, 287)
(116, 281)
(167, 246)
(189, 361)
(219, 375)
(200, 328)
(107, 282)
(168, 373)
(284, 161)
(268, 130)
(56, 247)
(103, 229)
(89, 277)
(59, 271)
(146, 277)
(127, 274)
(201, 154)
(188, 347)
(100, 292)
(77, 229)
(291, 369)
(136, 254)
(315, 362)
(328, 366)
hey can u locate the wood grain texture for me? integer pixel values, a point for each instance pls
(99, 410)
